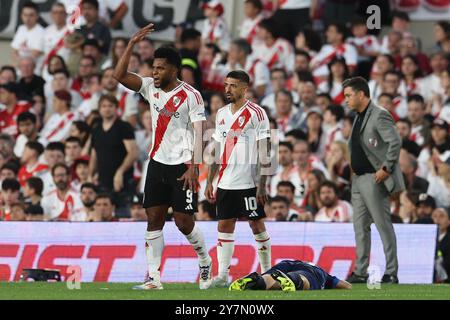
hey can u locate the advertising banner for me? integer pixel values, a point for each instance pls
(115, 252)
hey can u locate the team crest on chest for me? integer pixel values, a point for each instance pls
(176, 102)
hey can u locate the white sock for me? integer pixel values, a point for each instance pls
(197, 241)
(154, 245)
(225, 249)
(264, 251)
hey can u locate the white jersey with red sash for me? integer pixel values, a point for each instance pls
(57, 127)
(216, 32)
(279, 55)
(54, 43)
(27, 172)
(336, 93)
(333, 134)
(255, 68)
(238, 134)
(328, 52)
(68, 209)
(400, 106)
(173, 114)
(417, 136)
(369, 43)
(8, 120)
(249, 30)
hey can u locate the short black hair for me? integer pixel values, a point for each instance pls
(272, 71)
(56, 145)
(340, 28)
(297, 134)
(243, 45)
(329, 184)
(240, 75)
(400, 15)
(62, 71)
(357, 84)
(272, 26)
(416, 98)
(74, 139)
(305, 76)
(36, 184)
(171, 55)
(279, 199)
(286, 93)
(256, 3)
(10, 184)
(209, 208)
(189, 34)
(11, 165)
(91, 2)
(337, 111)
(392, 72)
(387, 95)
(300, 52)
(405, 120)
(105, 195)
(82, 126)
(89, 185)
(286, 144)
(60, 165)
(36, 146)
(288, 184)
(31, 5)
(25, 116)
(88, 57)
(11, 69)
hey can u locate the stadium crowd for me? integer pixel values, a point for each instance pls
(58, 163)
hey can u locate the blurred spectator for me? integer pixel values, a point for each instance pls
(441, 217)
(32, 191)
(305, 161)
(274, 51)
(88, 194)
(8, 74)
(117, 50)
(190, 43)
(439, 179)
(30, 84)
(279, 210)
(404, 130)
(278, 79)
(400, 24)
(333, 210)
(339, 11)
(430, 87)
(113, 153)
(6, 148)
(391, 85)
(91, 48)
(80, 130)
(308, 94)
(332, 125)
(62, 204)
(294, 15)
(72, 150)
(9, 196)
(53, 154)
(441, 32)
(411, 72)
(408, 209)
(18, 212)
(215, 29)
(347, 125)
(137, 211)
(287, 190)
(28, 131)
(146, 49)
(383, 63)
(9, 171)
(286, 114)
(314, 132)
(338, 166)
(206, 211)
(13, 107)
(249, 27)
(81, 173)
(104, 208)
(28, 40)
(94, 28)
(408, 166)
(216, 101)
(338, 72)
(86, 69)
(336, 34)
(34, 213)
(409, 47)
(314, 180)
(31, 167)
(425, 207)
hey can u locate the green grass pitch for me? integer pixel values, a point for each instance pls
(188, 291)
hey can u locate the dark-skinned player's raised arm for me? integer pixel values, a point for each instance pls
(131, 80)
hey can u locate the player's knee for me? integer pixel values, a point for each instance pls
(226, 226)
(257, 226)
(184, 225)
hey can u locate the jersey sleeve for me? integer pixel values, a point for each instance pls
(262, 127)
(145, 87)
(196, 107)
(127, 131)
(18, 37)
(262, 75)
(331, 282)
(351, 55)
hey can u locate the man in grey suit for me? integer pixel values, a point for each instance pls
(374, 151)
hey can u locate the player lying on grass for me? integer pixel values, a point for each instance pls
(290, 275)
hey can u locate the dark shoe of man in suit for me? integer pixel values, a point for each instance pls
(355, 278)
(387, 279)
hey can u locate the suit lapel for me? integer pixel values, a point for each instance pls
(366, 117)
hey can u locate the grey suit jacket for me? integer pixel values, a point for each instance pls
(381, 143)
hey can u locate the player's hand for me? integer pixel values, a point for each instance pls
(381, 175)
(141, 34)
(118, 181)
(190, 179)
(261, 196)
(209, 193)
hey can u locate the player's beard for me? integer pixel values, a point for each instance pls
(62, 185)
(329, 203)
(163, 83)
(89, 203)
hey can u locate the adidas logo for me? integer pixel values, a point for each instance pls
(189, 207)
(222, 122)
(253, 215)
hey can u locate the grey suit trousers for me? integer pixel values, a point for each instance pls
(371, 204)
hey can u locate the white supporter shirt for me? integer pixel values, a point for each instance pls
(249, 30)
(294, 177)
(57, 127)
(369, 43)
(52, 39)
(279, 55)
(239, 133)
(173, 114)
(295, 4)
(255, 68)
(343, 212)
(25, 40)
(68, 209)
(217, 32)
(320, 62)
(74, 11)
